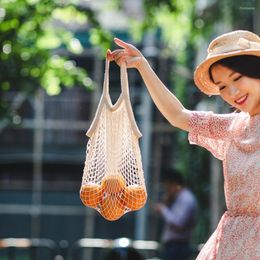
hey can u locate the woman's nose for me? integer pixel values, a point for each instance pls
(233, 91)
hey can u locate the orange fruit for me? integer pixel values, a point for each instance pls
(110, 208)
(113, 183)
(134, 197)
(91, 194)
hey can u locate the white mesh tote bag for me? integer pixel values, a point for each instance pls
(113, 180)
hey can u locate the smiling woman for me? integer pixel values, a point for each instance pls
(231, 70)
(238, 79)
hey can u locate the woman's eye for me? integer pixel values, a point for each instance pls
(238, 78)
(222, 87)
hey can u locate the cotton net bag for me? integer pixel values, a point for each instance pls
(113, 180)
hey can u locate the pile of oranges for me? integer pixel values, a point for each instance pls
(113, 197)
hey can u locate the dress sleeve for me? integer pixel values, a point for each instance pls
(211, 131)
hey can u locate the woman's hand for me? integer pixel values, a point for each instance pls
(129, 54)
(167, 103)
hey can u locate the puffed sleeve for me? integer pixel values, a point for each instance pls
(211, 131)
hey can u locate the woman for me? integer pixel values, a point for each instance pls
(231, 70)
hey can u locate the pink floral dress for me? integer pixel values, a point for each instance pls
(235, 139)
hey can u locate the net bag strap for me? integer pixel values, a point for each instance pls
(124, 96)
(124, 86)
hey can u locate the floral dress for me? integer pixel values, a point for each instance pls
(235, 139)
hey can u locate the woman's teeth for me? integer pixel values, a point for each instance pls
(241, 100)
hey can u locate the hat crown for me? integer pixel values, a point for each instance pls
(234, 41)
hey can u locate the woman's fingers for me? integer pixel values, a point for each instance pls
(118, 52)
(114, 55)
(118, 55)
(129, 48)
(121, 59)
(129, 54)
(121, 43)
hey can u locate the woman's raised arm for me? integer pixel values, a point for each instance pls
(166, 102)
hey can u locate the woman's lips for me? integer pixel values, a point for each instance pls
(240, 101)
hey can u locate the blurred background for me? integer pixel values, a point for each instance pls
(51, 75)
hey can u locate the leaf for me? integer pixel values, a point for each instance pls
(75, 46)
(48, 41)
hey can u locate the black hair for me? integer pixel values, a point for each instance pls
(247, 65)
(173, 175)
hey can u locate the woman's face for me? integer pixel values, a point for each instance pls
(239, 91)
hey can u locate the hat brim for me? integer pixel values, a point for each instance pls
(201, 74)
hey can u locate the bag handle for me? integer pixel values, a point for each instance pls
(106, 79)
(123, 96)
(123, 79)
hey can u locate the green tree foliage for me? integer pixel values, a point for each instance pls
(29, 39)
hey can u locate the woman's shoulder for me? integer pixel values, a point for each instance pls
(216, 125)
(232, 116)
(212, 118)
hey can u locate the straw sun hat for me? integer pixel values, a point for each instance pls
(229, 44)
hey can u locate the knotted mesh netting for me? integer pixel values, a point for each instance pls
(113, 180)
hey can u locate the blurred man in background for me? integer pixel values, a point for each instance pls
(178, 210)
